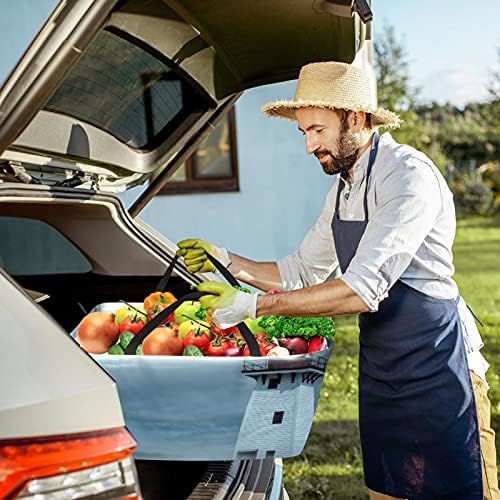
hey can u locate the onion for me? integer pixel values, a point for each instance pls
(163, 341)
(296, 345)
(97, 331)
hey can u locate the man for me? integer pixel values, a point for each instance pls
(388, 225)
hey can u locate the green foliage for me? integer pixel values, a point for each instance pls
(395, 93)
(330, 466)
(285, 326)
(458, 139)
(490, 174)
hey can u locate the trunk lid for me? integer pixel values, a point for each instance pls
(110, 92)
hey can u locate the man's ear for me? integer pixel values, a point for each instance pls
(357, 120)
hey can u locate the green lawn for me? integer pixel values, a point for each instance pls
(330, 465)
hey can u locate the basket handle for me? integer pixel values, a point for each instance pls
(162, 284)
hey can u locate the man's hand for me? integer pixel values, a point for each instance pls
(194, 251)
(227, 305)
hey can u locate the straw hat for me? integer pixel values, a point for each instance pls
(333, 85)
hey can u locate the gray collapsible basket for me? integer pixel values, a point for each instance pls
(216, 408)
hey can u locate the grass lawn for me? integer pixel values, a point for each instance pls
(330, 465)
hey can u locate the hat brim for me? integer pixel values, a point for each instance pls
(381, 117)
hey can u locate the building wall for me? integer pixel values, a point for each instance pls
(282, 190)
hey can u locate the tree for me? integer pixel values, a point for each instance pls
(396, 93)
(391, 69)
(494, 84)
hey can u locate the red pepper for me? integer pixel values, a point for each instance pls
(158, 298)
(317, 343)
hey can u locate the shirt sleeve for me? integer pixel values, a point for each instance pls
(315, 260)
(408, 203)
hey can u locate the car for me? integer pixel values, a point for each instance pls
(108, 96)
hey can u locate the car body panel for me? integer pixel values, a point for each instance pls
(48, 384)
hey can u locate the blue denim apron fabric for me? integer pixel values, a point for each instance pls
(417, 415)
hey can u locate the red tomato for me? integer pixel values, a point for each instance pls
(268, 347)
(157, 309)
(220, 332)
(264, 345)
(261, 338)
(133, 325)
(264, 349)
(219, 346)
(199, 339)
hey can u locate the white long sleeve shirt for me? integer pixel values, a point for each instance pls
(409, 235)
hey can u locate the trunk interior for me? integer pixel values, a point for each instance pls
(111, 251)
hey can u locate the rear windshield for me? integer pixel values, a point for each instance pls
(128, 91)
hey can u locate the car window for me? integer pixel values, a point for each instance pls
(127, 90)
(213, 166)
(31, 247)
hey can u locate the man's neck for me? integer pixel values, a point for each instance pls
(366, 141)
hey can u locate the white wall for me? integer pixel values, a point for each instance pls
(281, 192)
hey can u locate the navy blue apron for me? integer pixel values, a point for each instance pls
(417, 415)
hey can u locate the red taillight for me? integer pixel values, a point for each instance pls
(22, 460)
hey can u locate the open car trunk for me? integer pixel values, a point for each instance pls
(124, 268)
(209, 410)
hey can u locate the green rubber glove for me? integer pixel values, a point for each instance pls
(227, 305)
(221, 294)
(194, 252)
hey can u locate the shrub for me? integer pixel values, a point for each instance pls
(490, 174)
(472, 195)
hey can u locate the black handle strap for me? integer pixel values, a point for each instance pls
(224, 271)
(242, 327)
(162, 284)
(250, 339)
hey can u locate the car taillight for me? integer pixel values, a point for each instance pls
(71, 466)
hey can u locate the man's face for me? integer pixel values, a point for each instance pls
(329, 138)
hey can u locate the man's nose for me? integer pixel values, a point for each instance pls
(311, 144)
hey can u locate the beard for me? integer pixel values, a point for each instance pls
(348, 145)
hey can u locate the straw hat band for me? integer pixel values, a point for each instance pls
(332, 85)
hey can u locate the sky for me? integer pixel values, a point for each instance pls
(451, 44)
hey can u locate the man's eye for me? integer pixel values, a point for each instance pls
(319, 130)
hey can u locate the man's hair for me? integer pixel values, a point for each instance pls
(344, 113)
